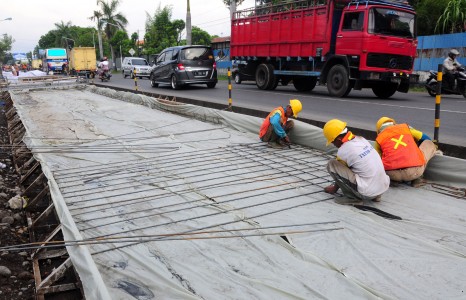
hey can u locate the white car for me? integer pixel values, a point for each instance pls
(140, 65)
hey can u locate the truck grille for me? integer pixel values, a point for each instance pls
(389, 61)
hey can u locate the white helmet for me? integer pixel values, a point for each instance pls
(453, 52)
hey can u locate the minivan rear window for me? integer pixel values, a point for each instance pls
(139, 62)
(196, 54)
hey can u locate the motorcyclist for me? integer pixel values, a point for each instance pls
(450, 67)
(103, 66)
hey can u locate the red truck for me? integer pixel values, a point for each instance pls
(345, 44)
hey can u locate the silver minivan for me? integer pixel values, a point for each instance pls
(131, 64)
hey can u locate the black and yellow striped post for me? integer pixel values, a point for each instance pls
(230, 101)
(438, 99)
(135, 80)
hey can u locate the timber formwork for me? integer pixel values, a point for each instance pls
(54, 274)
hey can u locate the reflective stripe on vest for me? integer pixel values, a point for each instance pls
(265, 125)
(399, 149)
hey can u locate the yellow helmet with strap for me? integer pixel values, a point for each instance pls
(296, 106)
(381, 121)
(332, 129)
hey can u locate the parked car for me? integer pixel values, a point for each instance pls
(240, 71)
(130, 64)
(184, 65)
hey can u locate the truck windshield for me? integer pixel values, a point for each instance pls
(391, 22)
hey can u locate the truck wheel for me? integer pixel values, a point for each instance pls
(237, 78)
(304, 84)
(338, 83)
(385, 91)
(273, 80)
(263, 76)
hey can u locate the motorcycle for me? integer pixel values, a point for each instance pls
(104, 75)
(459, 89)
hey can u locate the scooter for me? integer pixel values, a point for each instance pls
(104, 75)
(459, 89)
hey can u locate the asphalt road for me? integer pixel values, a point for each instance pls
(361, 109)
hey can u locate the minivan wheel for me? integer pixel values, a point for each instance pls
(174, 83)
(153, 83)
(124, 75)
(211, 85)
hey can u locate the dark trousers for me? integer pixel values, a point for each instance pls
(271, 136)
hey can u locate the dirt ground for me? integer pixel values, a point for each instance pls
(16, 275)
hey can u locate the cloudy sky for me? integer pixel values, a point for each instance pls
(34, 18)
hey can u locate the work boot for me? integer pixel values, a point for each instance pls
(377, 199)
(347, 201)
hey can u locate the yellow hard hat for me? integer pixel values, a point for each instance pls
(332, 129)
(296, 106)
(381, 121)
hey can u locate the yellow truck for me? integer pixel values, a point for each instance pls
(82, 61)
(36, 64)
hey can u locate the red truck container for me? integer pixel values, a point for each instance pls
(345, 44)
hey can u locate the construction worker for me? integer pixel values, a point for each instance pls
(405, 151)
(276, 125)
(357, 169)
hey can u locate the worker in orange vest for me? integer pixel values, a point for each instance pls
(276, 125)
(405, 151)
(357, 170)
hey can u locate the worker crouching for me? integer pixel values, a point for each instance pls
(402, 158)
(276, 125)
(357, 170)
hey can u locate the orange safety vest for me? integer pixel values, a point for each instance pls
(266, 123)
(399, 149)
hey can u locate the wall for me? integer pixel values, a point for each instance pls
(433, 49)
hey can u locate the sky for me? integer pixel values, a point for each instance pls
(33, 18)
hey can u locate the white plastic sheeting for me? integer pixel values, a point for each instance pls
(119, 169)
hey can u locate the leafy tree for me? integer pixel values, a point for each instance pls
(5, 46)
(48, 40)
(453, 18)
(113, 20)
(200, 37)
(62, 30)
(161, 32)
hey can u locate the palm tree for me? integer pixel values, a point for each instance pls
(62, 30)
(97, 16)
(112, 21)
(453, 18)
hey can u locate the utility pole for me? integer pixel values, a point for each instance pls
(188, 26)
(232, 8)
(99, 38)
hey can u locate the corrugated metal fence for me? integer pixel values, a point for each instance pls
(433, 49)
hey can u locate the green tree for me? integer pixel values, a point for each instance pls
(97, 15)
(5, 46)
(161, 32)
(453, 18)
(62, 30)
(200, 37)
(113, 21)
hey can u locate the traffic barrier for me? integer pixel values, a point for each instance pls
(135, 80)
(438, 99)
(230, 101)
